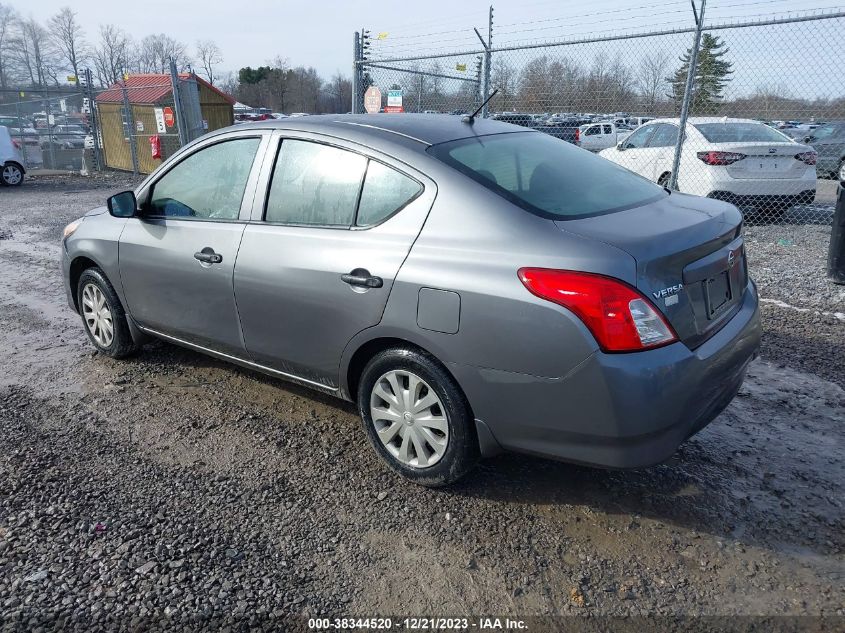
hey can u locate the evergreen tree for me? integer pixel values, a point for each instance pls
(712, 75)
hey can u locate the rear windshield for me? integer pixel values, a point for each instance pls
(547, 176)
(740, 133)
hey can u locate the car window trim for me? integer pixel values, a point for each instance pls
(352, 227)
(256, 161)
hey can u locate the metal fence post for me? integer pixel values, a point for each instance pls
(50, 148)
(130, 127)
(688, 94)
(96, 134)
(22, 130)
(177, 104)
(488, 58)
(356, 69)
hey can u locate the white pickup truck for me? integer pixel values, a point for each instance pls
(598, 136)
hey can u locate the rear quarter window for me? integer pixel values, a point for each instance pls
(547, 176)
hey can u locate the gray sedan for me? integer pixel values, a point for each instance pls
(472, 285)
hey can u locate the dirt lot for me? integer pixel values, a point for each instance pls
(171, 488)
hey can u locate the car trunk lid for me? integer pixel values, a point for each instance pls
(689, 255)
(765, 160)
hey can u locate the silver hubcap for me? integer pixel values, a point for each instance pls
(12, 175)
(97, 315)
(409, 419)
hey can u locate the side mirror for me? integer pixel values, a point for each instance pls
(621, 146)
(807, 139)
(123, 205)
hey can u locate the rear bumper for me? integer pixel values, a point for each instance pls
(618, 410)
(768, 200)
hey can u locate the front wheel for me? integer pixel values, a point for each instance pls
(416, 417)
(103, 315)
(12, 175)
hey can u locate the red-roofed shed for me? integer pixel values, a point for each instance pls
(146, 93)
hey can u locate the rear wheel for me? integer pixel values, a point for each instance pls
(103, 315)
(417, 418)
(11, 175)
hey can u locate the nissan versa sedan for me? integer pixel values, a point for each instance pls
(473, 286)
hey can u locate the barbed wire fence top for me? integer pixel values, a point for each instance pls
(765, 86)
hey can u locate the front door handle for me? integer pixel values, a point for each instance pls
(362, 277)
(208, 256)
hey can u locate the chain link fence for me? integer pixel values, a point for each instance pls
(752, 112)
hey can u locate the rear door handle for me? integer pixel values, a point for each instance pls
(362, 277)
(208, 256)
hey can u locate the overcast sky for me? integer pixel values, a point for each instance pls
(319, 33)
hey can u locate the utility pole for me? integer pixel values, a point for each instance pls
(130, 126)
(688, 93)
(488, 45)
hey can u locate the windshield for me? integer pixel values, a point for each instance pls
(740, 133)
(547, 176)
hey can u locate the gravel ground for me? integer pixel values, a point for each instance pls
(173, 490)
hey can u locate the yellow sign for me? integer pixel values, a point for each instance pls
(382, 35)
(461, 67)
(125, 76)
(71, 78)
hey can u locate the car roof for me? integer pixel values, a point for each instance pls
(415, 131)
(693, 120)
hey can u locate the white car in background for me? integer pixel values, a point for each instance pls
(11, 160)
(598, 136)
(740, 161)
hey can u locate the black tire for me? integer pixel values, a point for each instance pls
(11, 175)
(121, 344)
(663, 181)
(461, 452)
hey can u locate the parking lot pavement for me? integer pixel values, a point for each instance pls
(174, 486)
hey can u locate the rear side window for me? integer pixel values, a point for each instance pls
(385, 192)
(314, 184)
(547, 176)
(665, 135)
(729, 132)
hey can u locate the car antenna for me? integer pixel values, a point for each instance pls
(471, 117)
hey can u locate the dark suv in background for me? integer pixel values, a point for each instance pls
(829, 142)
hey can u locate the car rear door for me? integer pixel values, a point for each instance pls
(177, 259)
(328, 234)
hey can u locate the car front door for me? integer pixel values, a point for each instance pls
(634, 153)
(177, 258)
(663, 141)
(317, 262)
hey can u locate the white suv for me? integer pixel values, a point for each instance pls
(737, 160)
(11, 159)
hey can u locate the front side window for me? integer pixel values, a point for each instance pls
(606, 129)
(209, 184)
(385, 192)
(639, 138)
(547, 176)
(314, 184)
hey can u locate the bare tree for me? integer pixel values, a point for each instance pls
(31, 51)
(651, 79)
(69, 39)
(111, 57)
(209, 55)
(8, 19)
(156, 50)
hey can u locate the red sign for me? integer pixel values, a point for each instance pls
(155, 146)
(169, 119)
(372, 100)
(394, 109)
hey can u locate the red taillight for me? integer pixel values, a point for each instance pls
(720, 158)
(807, 157)
(16, 143)
(577, 134)
(619, 317)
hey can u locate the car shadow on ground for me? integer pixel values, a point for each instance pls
(714, 483)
